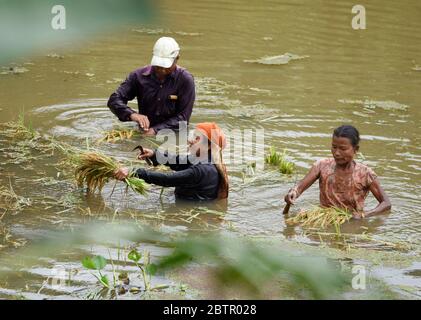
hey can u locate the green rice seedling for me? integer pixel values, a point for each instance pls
(286, 167)
(321, 218)
(273, 157)
(95, 170)
(279, 159)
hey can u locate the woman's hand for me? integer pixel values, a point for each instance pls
(147, 153)
(303, 185)
(358, 215)
(291, 196)
(121, 174)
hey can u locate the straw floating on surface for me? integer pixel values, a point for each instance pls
(18, 129)
(9, 200)
(321, 217)
(117, 135)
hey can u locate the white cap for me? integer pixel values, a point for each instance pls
(165, 51)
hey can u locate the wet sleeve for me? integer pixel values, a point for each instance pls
(185, 103)
(174, 179)
(317, 167)
(370, 177)
(118, 100)
(175, 162)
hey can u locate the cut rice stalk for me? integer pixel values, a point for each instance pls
(94, 170)
(137, 185)
(117, 135)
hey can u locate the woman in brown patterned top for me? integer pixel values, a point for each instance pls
(343, 182)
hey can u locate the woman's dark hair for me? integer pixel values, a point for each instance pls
(348, 131)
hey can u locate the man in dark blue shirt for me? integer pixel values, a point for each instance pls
(165, 92)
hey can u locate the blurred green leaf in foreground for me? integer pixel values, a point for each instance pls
(235, 262)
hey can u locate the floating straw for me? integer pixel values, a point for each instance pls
(117, 135)
(321, 217)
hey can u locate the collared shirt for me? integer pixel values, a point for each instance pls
(164, 103)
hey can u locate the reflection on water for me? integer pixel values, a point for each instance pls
(366, 78)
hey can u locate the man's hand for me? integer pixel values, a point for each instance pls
(291, 196)
(142, 120)
(147, 153)
(121, 174)
(150, 132)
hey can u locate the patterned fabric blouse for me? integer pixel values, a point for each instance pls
(347, 191)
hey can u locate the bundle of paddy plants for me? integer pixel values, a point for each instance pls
(279, 160)
(95, 169)
(321, 218)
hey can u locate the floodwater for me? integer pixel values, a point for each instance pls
(295, 69)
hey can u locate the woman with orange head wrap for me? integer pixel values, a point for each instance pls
(217, 142)
(202, 176)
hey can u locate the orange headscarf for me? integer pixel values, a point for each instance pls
(213, 132)
(218, 142)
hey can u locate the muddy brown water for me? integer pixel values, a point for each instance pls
(369, 78)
